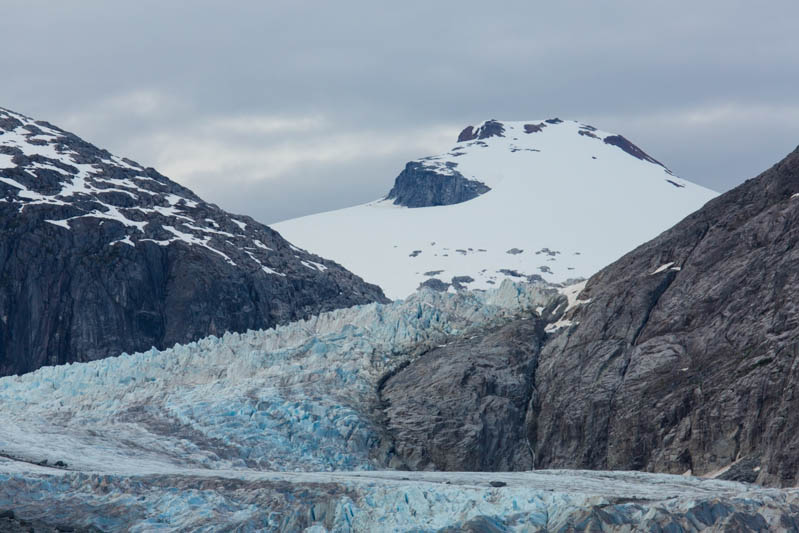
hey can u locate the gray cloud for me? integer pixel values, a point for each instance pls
(282, 108)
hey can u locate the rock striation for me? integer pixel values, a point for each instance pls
(462, 406)
(99, 255)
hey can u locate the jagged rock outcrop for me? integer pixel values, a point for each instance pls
(684, 356)
(423, 186)
(489, 128)
(462, 406)
(627, 146)
(99, 255)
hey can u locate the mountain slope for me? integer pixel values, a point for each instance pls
(684, 355)
(99, 255)
(513, 200)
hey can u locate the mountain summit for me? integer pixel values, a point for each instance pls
(546, 198)
(100, 255)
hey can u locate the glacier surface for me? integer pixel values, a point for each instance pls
(275, 431)
(296, 397)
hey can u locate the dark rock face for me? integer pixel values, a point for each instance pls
(630, 148)
(461, 282)
(468, 134)
(423, 186)
(100, 256)
(534, 128)
(464, 406)
(434, 284)
(490, 128)
(685, 357)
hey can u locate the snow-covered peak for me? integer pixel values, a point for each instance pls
(49, 173)
(102, 255)
(550, 198)
(492, 140)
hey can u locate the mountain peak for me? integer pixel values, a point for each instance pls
(94, 243)
(544, 199)
(489, 128)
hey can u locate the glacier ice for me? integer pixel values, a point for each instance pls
(273, 431)
(296, 397)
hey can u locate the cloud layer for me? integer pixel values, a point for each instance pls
(282, 108)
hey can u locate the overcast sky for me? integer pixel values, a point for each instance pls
(279, 109)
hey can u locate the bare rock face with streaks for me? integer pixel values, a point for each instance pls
(462, 406)
(99, 255)
(683, 356)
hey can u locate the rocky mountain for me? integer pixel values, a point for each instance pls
(680, 357)
(683, 355)
(427, 413)
(99, 255)
(550, 199)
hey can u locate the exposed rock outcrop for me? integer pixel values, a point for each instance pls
(423, 186)
(99, 256)
(685, 357)
(462, 406)
(627, 146)
(489, 128)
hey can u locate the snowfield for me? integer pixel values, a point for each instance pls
(563, 203)
(274, 431)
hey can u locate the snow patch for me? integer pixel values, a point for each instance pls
(661, 268)
(126, 240)
(314, 265)
(60, 223)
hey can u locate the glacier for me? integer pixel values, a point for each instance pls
(296, 397)
(276, 430)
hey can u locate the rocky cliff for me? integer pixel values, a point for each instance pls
(99, 255)
(462, 406)
(684, 356)
(679, 357)
(421, 186)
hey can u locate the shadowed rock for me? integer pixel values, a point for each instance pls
(423, 186)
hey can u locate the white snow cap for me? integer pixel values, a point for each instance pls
(566, 199)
